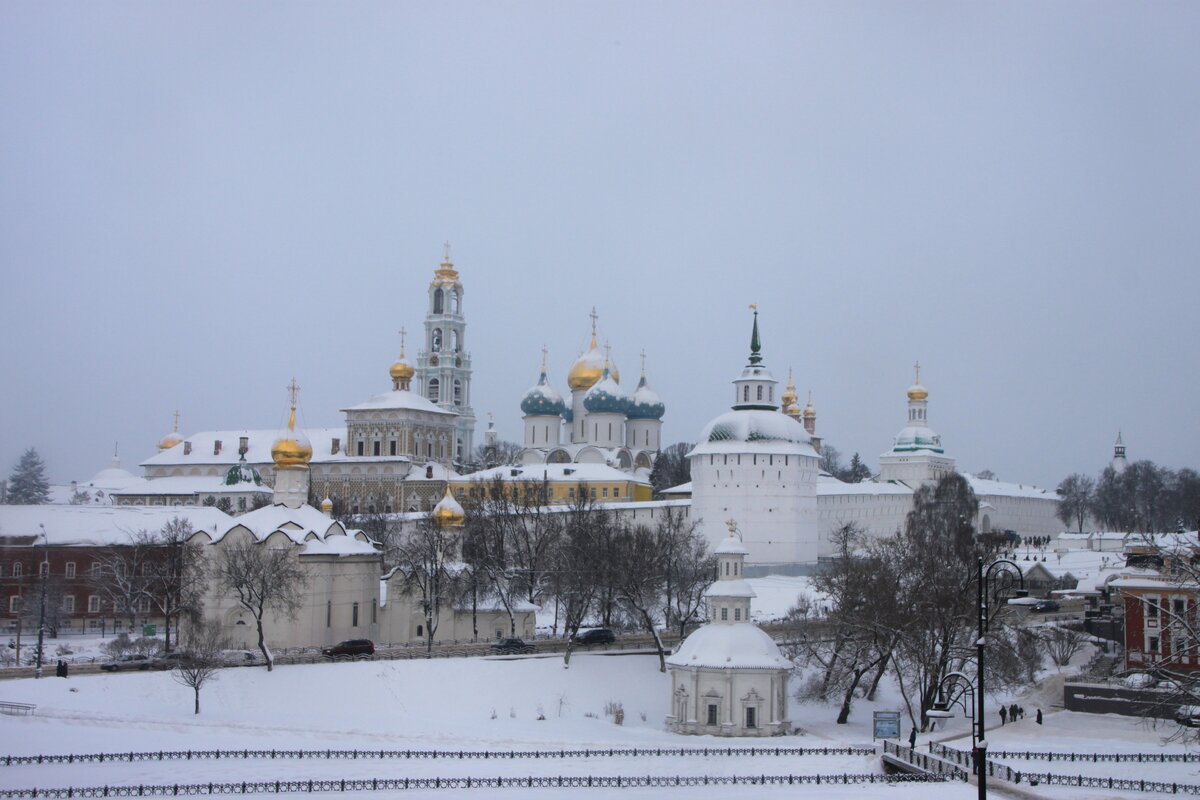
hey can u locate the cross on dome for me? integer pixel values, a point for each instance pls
(293, 391)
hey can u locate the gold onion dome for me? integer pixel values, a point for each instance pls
(292, 449)
(789, 397)
(917, 392)
(809, 411)
(448, 513)
(173, 438)
(401, 370)
(587, 371)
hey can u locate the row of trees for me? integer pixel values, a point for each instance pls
(906, 604)
(514, 549)
(1142, 498)
(831, 462)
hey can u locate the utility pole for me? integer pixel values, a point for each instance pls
(44, 575)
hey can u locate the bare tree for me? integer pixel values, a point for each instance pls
(428, 566)
(640, 574)
(123, 575)
(575, 565)
(261, 579)
(671, 467)
(1075, 499)
(201, 657)
(175, 573)
(689, 565)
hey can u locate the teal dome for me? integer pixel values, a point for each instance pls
(606, 397)
(542, 400)
(645, 403)
(242, 472)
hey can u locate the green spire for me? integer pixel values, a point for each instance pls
(755, 346)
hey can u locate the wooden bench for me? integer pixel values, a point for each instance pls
(16, 708)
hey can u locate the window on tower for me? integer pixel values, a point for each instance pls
(436, 340)
(454, 347)
(745, 394)
(454, 302)
(437, 301)
(759, 393)
(434, 393)
(458, 393)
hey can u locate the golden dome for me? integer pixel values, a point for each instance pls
(327, 505)
(788, 397)
(792, 410)
(401, 370)
(171, 439)
(448, 513)
(587, 371)
(292, 450)
(917, 392)
(809, 411)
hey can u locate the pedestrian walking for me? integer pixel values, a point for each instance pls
(1020, 712)
(912, 738)
(60, 669)
(1039, 717)
(1003, 715)
(1012, 713)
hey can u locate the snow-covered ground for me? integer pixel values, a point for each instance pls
(477, 704)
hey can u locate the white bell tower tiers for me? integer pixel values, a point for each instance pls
(444, 365)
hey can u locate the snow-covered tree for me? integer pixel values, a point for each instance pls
(426, 559)
(27, 485)
(261, 579)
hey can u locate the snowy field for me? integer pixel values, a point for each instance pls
(478, 704)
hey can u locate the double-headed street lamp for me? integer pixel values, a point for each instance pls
(993, 583)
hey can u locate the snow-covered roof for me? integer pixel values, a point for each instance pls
(102, 525)
(754, 431)
(432, 471)
(733, 587)
(984, 487)
(258, 450)
(305, 526)
(731, 545)
(400, 400)
(829, 485)
(740, 645)
(554, 473)
(189, 485)
(683, 488)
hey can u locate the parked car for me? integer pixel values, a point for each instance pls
(169, 660)
(351, 647)
(1138, 680)
(239, 658)
(511, 647)
(1044, 606)
(1188, 716)
(125, 663)
(595, 636)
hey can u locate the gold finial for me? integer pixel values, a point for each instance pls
(917, 367)
(445, 252)
(731, 523)
(607, 352)
(810, 397)
(545, 353)
(403, 333)
(643, 362)
(789, 383)
(175, 427)
(754, 307)
(594, 317)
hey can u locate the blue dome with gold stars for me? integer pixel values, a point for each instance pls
(543, 400)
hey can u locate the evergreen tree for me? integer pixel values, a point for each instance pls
(857, 472)
(27, 486)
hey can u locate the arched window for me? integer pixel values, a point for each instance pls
(434, 391)
(745, 394)
(454, 302)
(436, 343)
(458, 398)
(454, 341)
(437, 301)
(759, 392)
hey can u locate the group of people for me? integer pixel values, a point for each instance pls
(1014, 712)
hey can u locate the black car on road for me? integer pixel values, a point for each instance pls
(351, 647)
(511, 647)
(595, 636)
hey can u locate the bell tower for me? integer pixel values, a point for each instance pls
(444, 365)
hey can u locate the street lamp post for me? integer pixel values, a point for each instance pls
(1000, 577)
(44, 576)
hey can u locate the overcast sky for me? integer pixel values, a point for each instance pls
(199, 201)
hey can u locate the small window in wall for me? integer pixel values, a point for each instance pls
(712, 713)
(593, 492)
(374, 611)
(434, 390)
(724, 614)
(392, 447)
(361, 449)
(745, 394)
(1153, 644)
(376, 448)
(69, 604)
(328, 613)
(18, 570)
(45, 569)
(1152, 607)
(420, 630)
(93, 604)
(737, 615)
(241, 504)
(759, 397)
(605, 492)
(14, 604)
(617, 492)
(751, 717)
(354, 615)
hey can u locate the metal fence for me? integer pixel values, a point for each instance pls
(626, 752)
(931, 764)
(1123, 784)
(392, 784)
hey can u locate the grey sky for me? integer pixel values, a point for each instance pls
(199, 201)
